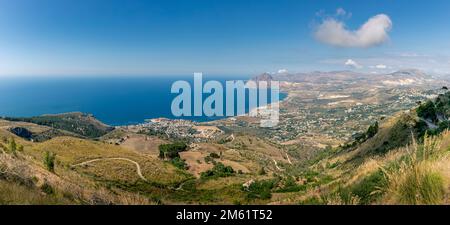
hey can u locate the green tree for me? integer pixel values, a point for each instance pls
(179, 163)
(427, 111)
(214, 155)
(260, 189)
(171, 151)
(373, 129)
(219, 170)
(49, 161)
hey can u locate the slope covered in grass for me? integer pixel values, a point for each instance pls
(405, 162)
(78, 123)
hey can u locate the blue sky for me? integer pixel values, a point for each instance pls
(61, 37)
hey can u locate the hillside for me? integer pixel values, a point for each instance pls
(405, 162)
(87, 171)
(401, 159)
(79, 123)
(74, 179)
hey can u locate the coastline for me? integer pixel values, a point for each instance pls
(158, 119)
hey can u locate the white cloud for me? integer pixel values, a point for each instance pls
(352, 63)
(283, 71)
(340, 12)
(430, 63)
(381, 66)
(409, 54)
(374, 32)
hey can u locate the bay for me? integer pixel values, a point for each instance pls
(113, 100)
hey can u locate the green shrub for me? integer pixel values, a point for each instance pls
(373, 130)
(219, 170)
(368, 190)
(214, 155)
(289, 185)
(190, 185)
(47, 189)
(12, 145)
(260, 189)
(209, 159)
(49, 161)
(427, 111)
(179, 163)
(171, 151)
(311, 175)
(422, 187)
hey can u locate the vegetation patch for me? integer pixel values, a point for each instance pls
(78, 123)
(219, 170)
(415, 181)
(260, 189)
(369, 189)
(49, 161)
(171, 152)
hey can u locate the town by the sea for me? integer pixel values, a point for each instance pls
(114, 100)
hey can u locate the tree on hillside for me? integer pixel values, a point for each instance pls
(171, 151)
(49, 161)
(219, 170)
(373, 129)
(427, 111)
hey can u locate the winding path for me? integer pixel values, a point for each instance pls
(232, 137)
(138, 167)
(276, 165)
(289, 160)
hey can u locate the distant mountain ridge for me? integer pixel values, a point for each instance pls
(399, 78)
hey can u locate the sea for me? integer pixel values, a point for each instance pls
(114, 100)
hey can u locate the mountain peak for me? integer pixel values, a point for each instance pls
(263, 77)
(409, 72)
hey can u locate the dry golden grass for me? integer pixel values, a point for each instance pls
(70, 151)
(143, 144)
(420, 178)
(69, 187)
(12, 193)
(196, 162)
(76, 185)
(415, 174)
(4, 124)
(119, 171)
(212, 184)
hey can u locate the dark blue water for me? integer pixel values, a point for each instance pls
(113, 100)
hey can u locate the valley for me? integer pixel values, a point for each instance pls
(338, 134)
